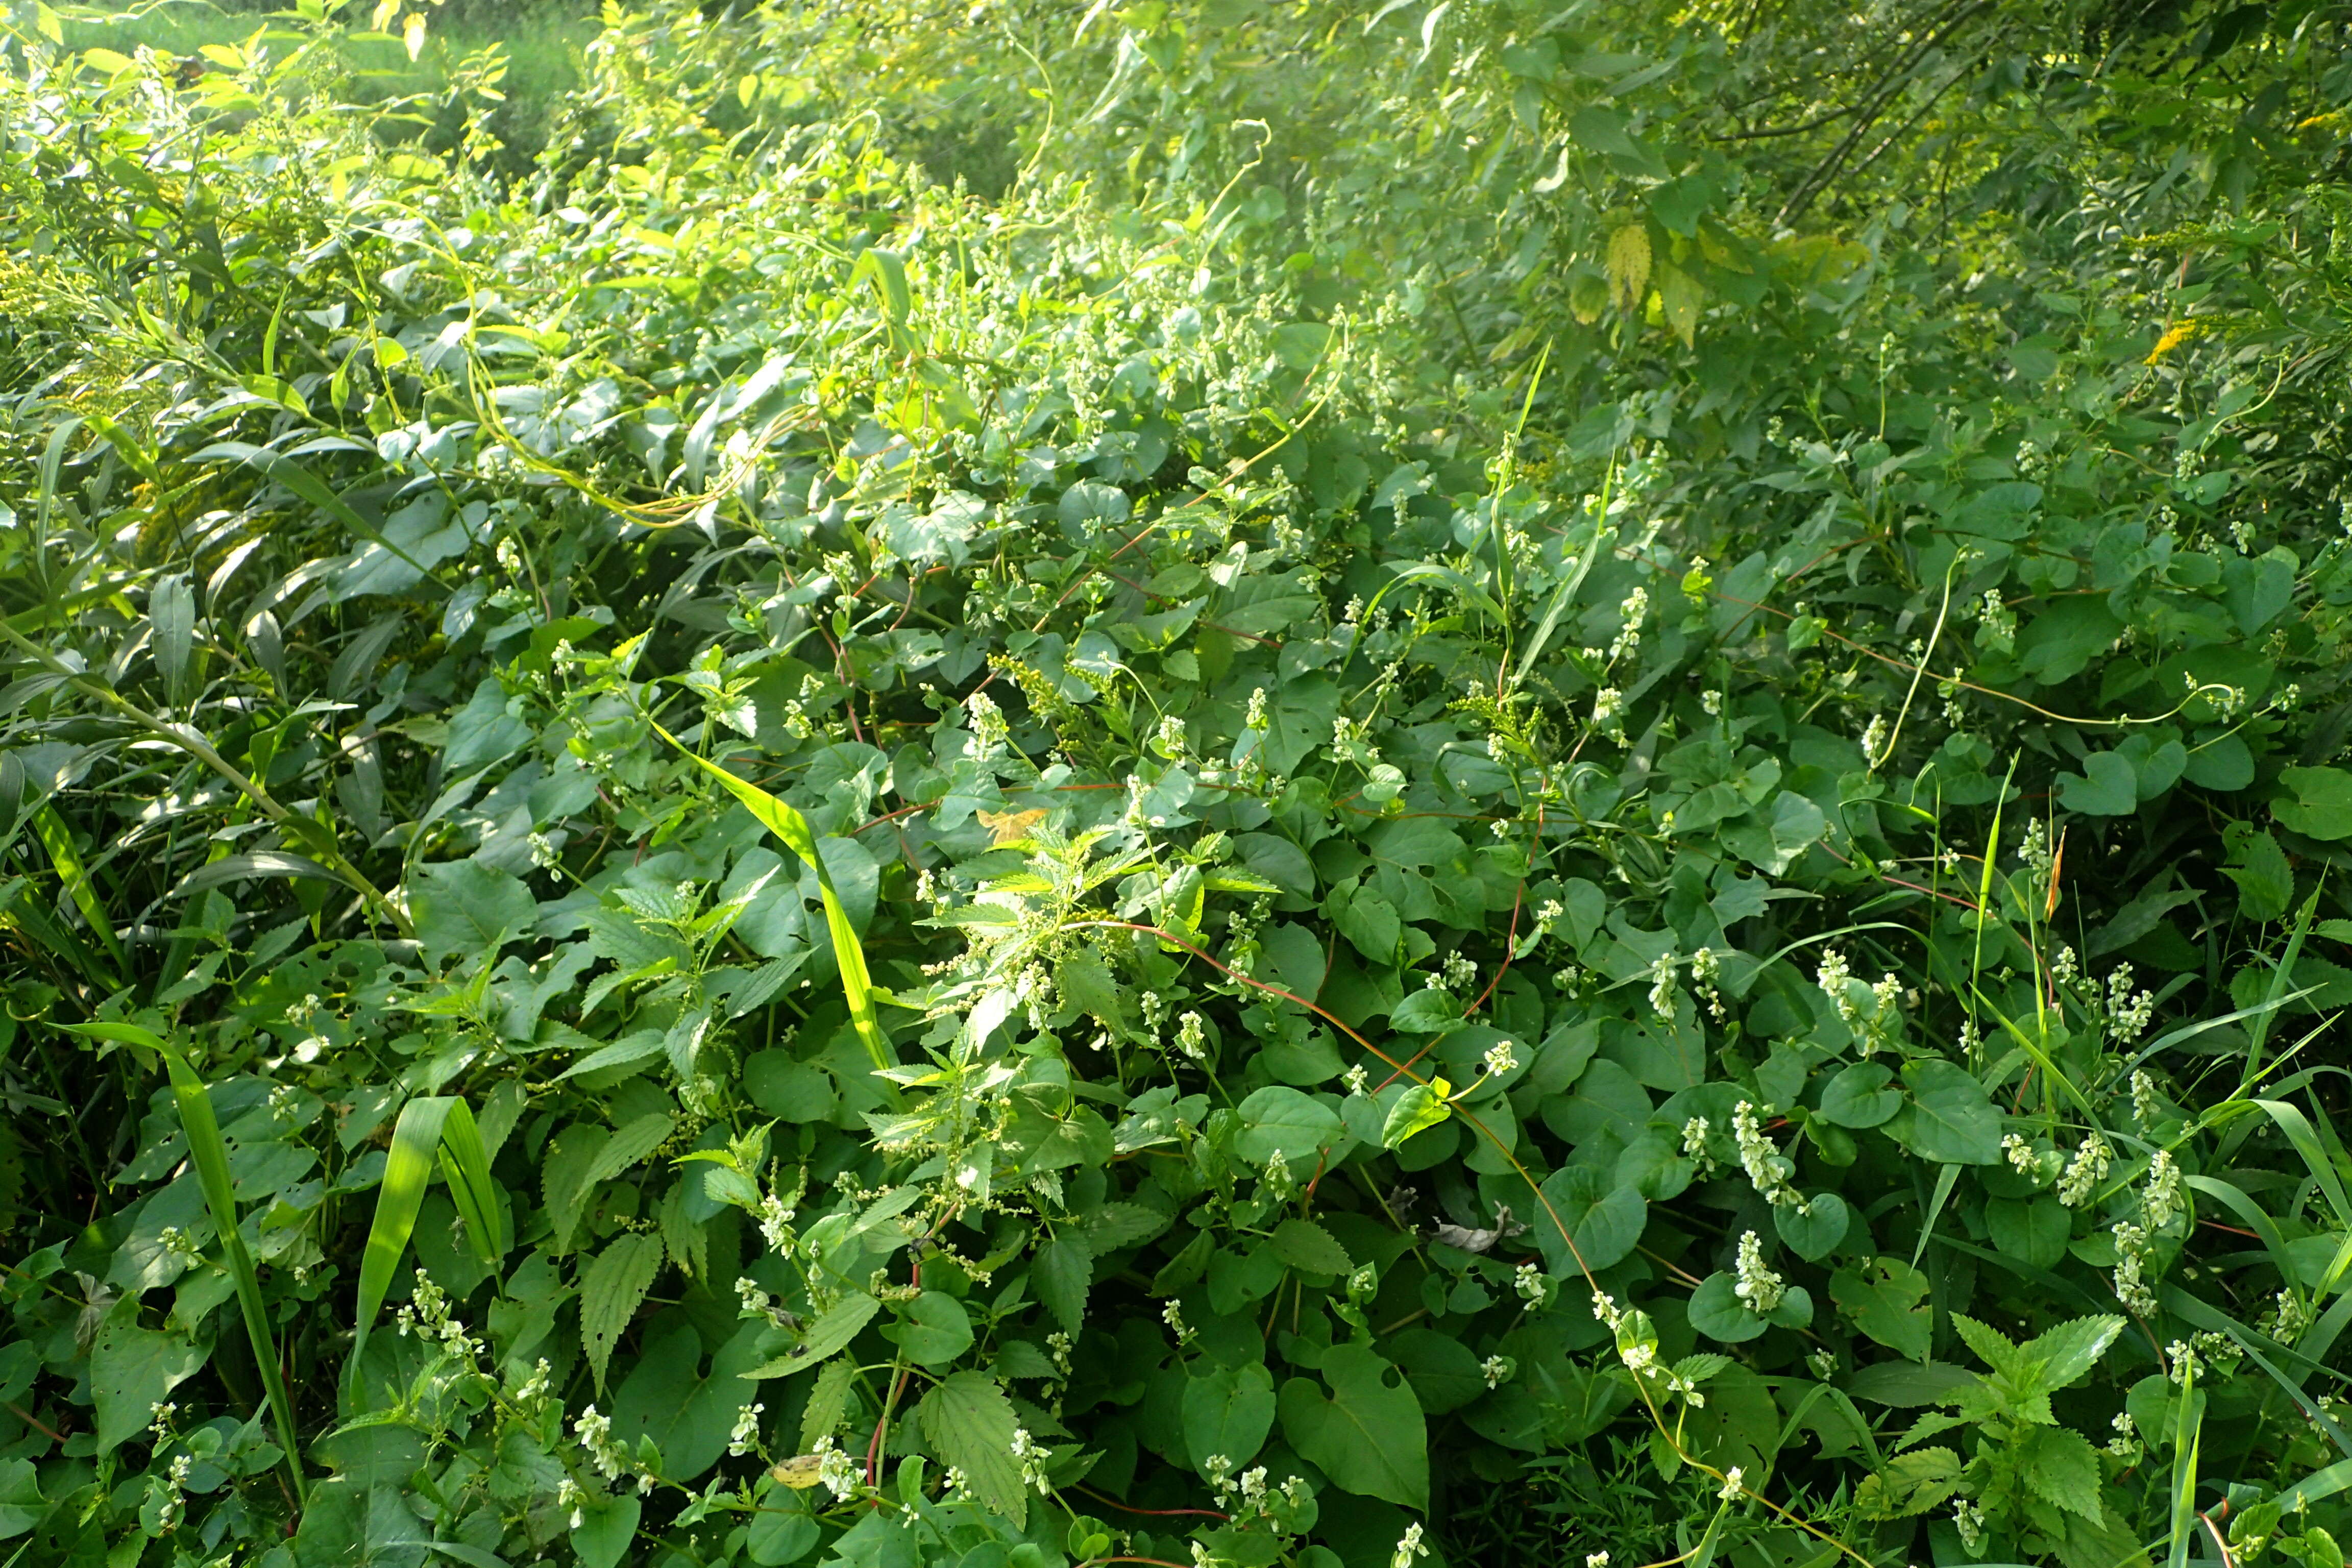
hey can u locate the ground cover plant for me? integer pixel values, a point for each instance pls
(1328, 784)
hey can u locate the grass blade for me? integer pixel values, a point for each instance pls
(208, 1152)
(793, 828)
(407, 1168)
(58, 840)
(466, 1166)
(2186, 1431)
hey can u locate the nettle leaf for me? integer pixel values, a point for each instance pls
(1367, 1434)
(828, 1335)
(2061, 1467)
(1909, 1484)
(1060, 1276)
(610, 1291)
(969, 1423)
(1309, 1247)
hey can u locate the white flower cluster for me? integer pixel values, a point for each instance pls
(2022, 1158)
(2033, 848)
(2085, 1171)
(746, 1435)
(1032, 1460)
(1969, 1520)
(1499, 1058)
(1768, 1172)
(2125, 1444)
(2131, 1260)
(1496, 1370)
(427, 1317)
(1192, 1036)
(1409, 1547)
(1357, 1080)
(2127, 1016)
(594, 1432)
(2146, 1105)
(1662, 986)
(1757, 1286)
(1694, 1145)
(1609, 713)
(1634, 609)
(1531, 1284)
(989, 731)
(2161, 1196)
(1456, 972)
(776, 1225)
(1877, 744)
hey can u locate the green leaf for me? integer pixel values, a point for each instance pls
(2318, 803)
(1227, 1411)
(1909, 1484)
(828, 1402)
(2032, 1230)
(1277, 1118)
(849, 953)
(969, 1424)
(1949, 1119)
(2258, 866)
(407, 1168)
(1060, 1276)
(21, 1503)
(1717, 1311)
(2062, 1355)
(1813, 1228)
(1369, 1436)
(627, 1146)
(611, 1291)
(1307, 1246)
(131, 1370)
(1420, 1107)
(607, 1529)
(1859, 1095)
(2107, 786)
(465, 907)
(935, 1330)
(1885, 1299)
(828, 1335)
(2061, 1467)
(1604, 1223)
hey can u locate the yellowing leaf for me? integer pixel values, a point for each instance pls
(1629, 264)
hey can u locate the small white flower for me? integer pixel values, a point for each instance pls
(747, 1430)
(1408, 1548)
(1495, 1369)
(2085, 1170)
(1763, 1289)
(1498, 1059)
(1731, 1481)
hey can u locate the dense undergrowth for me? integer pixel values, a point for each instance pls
(1299, 784)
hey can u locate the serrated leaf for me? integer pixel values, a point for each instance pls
(1116, 1226)
(627, 1146)
(828, 1400)
(1060, 1276)
(1309, 1247)
(2064, 1354)
(610, 1291)
(1910, 1484)
(2062, 1467)
(969, 1423)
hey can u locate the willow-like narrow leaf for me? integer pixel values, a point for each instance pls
(407, 1169)
(793, 828)
(208, 1152)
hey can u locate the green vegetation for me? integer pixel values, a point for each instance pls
(1308, 783)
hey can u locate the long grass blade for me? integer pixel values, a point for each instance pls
(407, 1170)
(466, 1166)
(208, 1152)
(58, 840)
(2187, 1430)
(793, 828)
